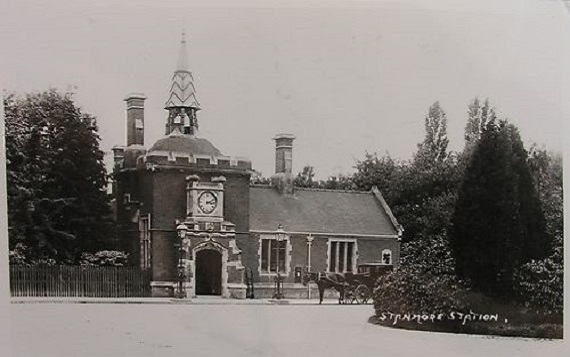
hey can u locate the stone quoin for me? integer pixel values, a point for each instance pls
(230, 241)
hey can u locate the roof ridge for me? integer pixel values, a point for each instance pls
(269, 185)
(329, 190)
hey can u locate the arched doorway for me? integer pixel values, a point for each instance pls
(208, 272)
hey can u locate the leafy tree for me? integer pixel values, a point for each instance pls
(57, 200)
(433, 149)
(338, 182)
(540, 283)
(377, 171)
(497, 224)
(421, 193)
(479, 114)
(257, 178)
(546, 171)
(305, 177)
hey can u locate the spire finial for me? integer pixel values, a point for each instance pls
(183, 55)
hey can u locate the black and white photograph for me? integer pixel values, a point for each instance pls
(283, 178)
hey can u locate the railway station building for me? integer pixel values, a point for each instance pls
(189, 213)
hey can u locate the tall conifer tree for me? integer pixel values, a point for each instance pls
(497, 224)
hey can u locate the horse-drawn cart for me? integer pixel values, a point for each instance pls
(360, 285)
(352, 287)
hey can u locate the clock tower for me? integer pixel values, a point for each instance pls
(182, 181)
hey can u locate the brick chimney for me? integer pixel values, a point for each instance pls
(135, 118)
(283, 178)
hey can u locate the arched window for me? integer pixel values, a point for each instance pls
(387, 257)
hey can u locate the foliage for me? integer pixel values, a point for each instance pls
(338, 182)
(424, 283)
(539, 283)
(497, 224)
(420, 193)
(478, 116)
(57, 200)
(21, 254)
(433, 149)
(105, 258)
(305, 177)
(257, 178)
(381, 172)
(546, 171)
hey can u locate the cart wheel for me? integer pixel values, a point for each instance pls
(348, 296)
(361, 294)
(351, 297)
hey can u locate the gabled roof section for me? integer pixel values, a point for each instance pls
(320, 211)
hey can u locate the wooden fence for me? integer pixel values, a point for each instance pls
(88, 281)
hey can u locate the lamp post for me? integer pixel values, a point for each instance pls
(309, 244)
(280, 236)
(181, 230)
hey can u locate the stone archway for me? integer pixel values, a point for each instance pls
(210, 264)
(208, 272)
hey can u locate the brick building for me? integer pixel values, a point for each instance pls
(233, 231)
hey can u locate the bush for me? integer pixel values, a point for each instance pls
(424, 283)
(540, 284)
(411, 290)
(105, 258)
(20, 255)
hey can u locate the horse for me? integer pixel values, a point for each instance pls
(327, 281)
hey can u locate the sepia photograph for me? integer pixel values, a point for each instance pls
(283, 178)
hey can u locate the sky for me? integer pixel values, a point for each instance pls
(346, 78)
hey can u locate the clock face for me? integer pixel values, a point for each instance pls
(207, 202)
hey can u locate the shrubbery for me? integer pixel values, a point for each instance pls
(105, 258)
(20, 256)
(424, 283)
(539, 284)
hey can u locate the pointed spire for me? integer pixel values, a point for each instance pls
(182, 101)
(183, 55)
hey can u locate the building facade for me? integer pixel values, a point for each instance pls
(189, 213)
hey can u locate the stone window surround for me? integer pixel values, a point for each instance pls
(288, 251)
(354, 252)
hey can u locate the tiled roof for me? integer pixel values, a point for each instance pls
(186, 144)
(182, 91)
(319, 211)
